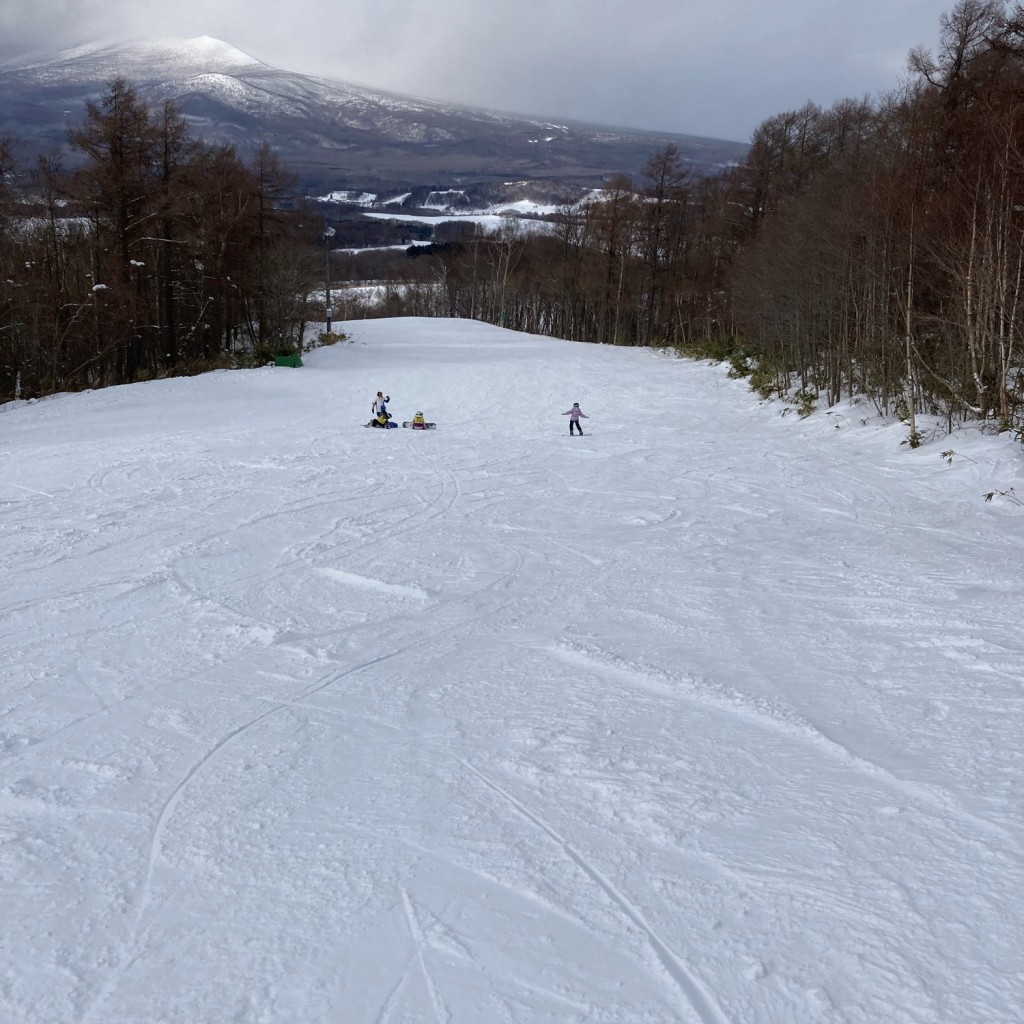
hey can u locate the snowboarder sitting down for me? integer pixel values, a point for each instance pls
(574, 415)
(419, 422)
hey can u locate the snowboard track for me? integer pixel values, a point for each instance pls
(702, 1002)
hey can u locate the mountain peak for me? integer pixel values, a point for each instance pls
(166, 58)
(199, 53)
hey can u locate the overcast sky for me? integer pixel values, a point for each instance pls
(700, 67)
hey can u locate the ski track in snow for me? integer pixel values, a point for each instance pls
(707, 723)
(363, 581)
(132, 947)
(441, 1015)
(693, 991)
(767, 715)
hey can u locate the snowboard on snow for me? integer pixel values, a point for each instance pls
(424, 426)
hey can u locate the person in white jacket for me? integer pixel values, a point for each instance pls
(574, 415)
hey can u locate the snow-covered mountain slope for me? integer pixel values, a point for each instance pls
(710, 716)
(333, 132)
(170, 60)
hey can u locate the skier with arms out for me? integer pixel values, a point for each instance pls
(574, 415)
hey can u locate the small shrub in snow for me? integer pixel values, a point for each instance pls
(1009, 493)
(329, 338)
(805, 399)
(764, 382)
(739, 366)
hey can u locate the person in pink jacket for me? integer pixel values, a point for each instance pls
(574, 415)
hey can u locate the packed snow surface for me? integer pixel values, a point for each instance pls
(711, 716)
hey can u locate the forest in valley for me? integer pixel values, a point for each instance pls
(874, 248)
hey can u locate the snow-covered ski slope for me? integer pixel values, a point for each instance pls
(711, 716)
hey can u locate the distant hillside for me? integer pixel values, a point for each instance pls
(335, 135)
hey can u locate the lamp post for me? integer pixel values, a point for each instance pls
(328, 235)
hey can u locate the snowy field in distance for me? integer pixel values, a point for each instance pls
(711, 716)
(490, 222)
